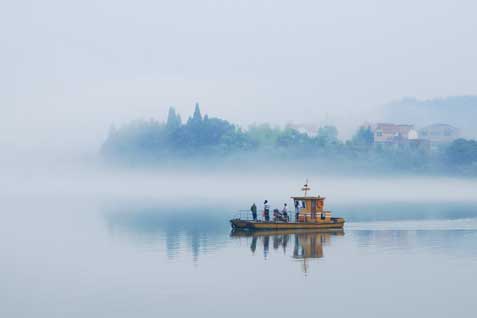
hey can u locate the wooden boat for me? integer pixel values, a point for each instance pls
(310, 214)
(236, 233)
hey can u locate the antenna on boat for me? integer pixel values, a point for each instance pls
(306, 188)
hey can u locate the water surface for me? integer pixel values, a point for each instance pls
(116, 258)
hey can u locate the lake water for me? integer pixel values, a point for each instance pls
(144, 258)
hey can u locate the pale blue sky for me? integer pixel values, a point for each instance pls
(75, 67)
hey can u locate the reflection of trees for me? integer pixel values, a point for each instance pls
(307, 244)
(199, 230)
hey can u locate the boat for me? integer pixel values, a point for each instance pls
(310, 214)
(236, 233)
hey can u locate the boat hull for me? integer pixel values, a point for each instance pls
(335, 223)
(271, 233)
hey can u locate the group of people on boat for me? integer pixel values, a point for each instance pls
(282, 216)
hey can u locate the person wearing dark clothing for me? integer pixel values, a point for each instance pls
(297, 210)
(253, 208)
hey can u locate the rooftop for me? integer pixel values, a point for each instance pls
(309, 198)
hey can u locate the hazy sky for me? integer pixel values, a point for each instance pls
(70, 69)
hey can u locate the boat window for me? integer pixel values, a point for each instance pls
(303, 204)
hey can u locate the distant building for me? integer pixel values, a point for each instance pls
(398, 135)
(393, 133)
(439, 133)
(309, 129)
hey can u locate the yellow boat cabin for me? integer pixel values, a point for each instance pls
(308, 213)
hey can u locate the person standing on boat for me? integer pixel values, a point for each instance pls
(297, 210)
(253, 208)
(266, 210)
(285, 212)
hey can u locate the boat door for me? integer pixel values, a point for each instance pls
(313, 209)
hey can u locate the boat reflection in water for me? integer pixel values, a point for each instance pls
(304, 244)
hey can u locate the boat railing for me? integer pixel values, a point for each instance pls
(245, 215)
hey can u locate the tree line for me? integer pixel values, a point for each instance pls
(201, 136)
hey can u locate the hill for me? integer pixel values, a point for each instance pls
(454, 110)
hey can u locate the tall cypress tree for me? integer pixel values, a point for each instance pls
(197, 117)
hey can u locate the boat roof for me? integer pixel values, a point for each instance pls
(308, 198)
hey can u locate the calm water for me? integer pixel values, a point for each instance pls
(75, 258)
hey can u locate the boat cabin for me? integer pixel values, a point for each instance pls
(310, 208)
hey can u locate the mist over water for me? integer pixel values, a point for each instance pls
(122, 255)
(238, 187)
(81, 238)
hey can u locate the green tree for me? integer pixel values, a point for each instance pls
(264, 135)
(197, 116)
(327, 135)
(462, 151)
(363, 137)
(173, 120)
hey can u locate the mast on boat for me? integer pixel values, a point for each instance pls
(306, 188)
